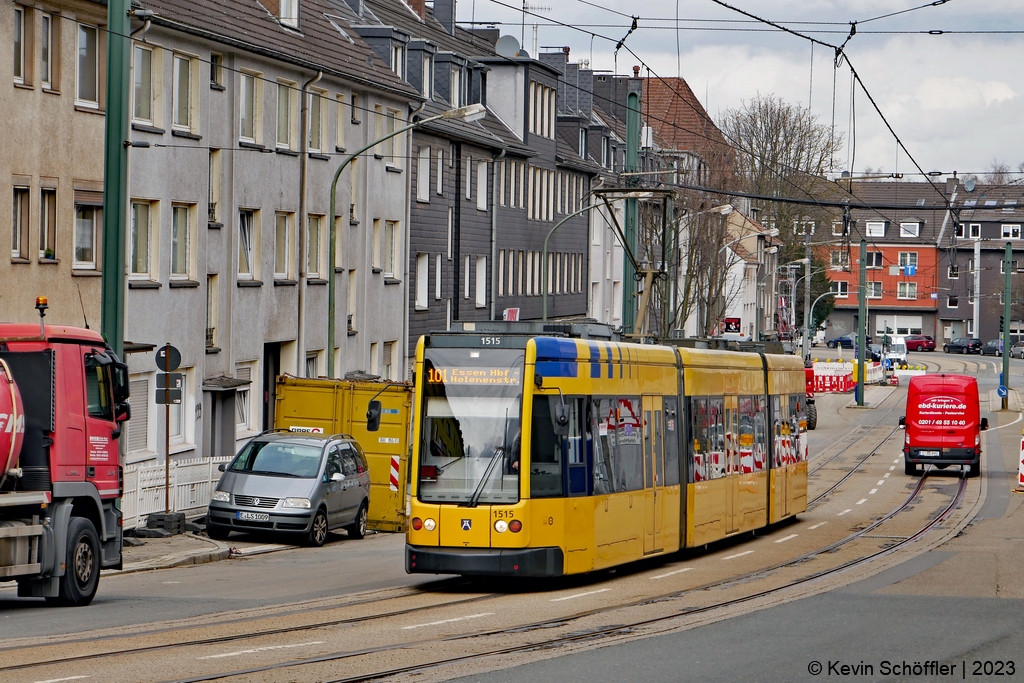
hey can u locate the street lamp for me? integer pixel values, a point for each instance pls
(469, 113)
(807, 351)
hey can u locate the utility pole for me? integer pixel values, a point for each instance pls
(632, 165)
(977, 288)
(115, 175)
(807, 297)
(1007, 273)
(862, 323)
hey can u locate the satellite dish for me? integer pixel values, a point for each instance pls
(507, 46)
(523, 53)
(969, 185)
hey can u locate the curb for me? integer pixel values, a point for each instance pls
(220, 551)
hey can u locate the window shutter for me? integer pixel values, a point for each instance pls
(138, 426)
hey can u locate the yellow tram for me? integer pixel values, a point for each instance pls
(548, 455)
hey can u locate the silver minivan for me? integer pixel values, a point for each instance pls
(299, 483)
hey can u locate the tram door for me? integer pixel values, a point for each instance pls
(780, 457)
(732, 466)
(654, 474)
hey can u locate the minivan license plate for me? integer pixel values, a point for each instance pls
(929, 454)
(254, 516)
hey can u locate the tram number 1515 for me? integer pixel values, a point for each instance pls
(490, 341)
(498, 514)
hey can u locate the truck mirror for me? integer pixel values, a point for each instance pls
(119, 374)
(122, 412)
(903, 421)
(373, 416)
(984, 423)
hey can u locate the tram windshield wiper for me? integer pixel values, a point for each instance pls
(499, 451)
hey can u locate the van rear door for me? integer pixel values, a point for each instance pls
(941, 418)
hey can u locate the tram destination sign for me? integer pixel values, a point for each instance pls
(476, 375)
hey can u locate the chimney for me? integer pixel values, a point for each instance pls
(419, 7)
(636, 72)
(951, 184)
(444, 11)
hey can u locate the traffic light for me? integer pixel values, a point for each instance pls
(1000, 324)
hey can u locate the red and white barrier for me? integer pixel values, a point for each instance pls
(394, 472)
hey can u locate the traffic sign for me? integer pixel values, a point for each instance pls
(168, 358)
(1003, 393)
(168, 380)
(168, 397)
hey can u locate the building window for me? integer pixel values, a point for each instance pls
(465, 279)
(841, 288)
(839, 260)
(182, 93)
(243, 394)
(87, 221)
(212, 211)
(428, 76)
(398, 59)
(316, 121)
(390, 247)
(138, 427)
(314, 245)
(440, 171)
(481, 185)
(211, 311)
(140, 239)
(910, 229)
(455, 88)
(906, 290)
(481, 281)
(46, 51)
(48, 223)
(143, 67)
(284, 115)
(19, 223)
(353, 298)
(88, 92)
(216, 69)
(953, 272)
(874, 259)
(374, 359)
(958, 230)
(437, 277)
(181, 241)
(177, 427)
(392, 147)
(908, 258)
(249, 109)
(837, 229)
(422, 280)
(803, 227)
(952, 301)
(583, 143)
(388, 366)
(874, 229)
(975, 231)
(1011, 232)
(341, 122)
(423, 175)
(289, 12)
(1002, 267)
(970, 327)
(246, 247)
(283, 245)
(19, 45)
(501, 272)
(311, 364)
(874, 290)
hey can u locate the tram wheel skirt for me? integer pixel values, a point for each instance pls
(533, 562)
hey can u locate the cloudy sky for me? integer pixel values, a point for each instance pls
(956, 100)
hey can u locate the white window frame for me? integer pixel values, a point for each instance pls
(97, 221)
(455, 87)
(975, 231)
(134, 245)
(481, 185)
(481, 282)
(953, 272)
(841, 288)
(839, 260)
(422, 280)
(872, 289)
(904, 289)
(283, 253)
(910, 229)
(288, 12)
(392, 238)
(341, 122)
(1011, 231)
(20, 214)
(392, 147)
(874, 229)
(250, 86)
(19, 45)
(398, 59)
(317, 121)
(428, 76)
(80, 77)
(874, 257)
(837, 229)
(244, 404)
(141, 426)
(285, 116)
(949, 298)
(46, 51)
(247, 243)
(182, 440)
(188, 95)
(315, 225)
(437, 277)
(149, 96)
(440, 172)
(423, 174)
(189, 211)
(48, 223)
(907, 258)
(1013, 267)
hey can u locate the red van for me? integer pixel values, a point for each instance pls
(943, 423)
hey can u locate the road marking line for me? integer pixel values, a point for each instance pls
(817, 525)
(892, 468)
(580, 595)
(864, 500)
(896, 460)
(58, 680)
(678, 571)
(783, 540)
(1019, 418)
(448, 621)
(731, 557)
(167, 583)
(842, 513)
(880, 482)
(886, 476)
(263, 649)
(871, 492)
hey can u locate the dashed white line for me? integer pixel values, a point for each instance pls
(817, 525)
(783, 540)
(892, 468)
(261, 649)
(886, 475)
(732, 557)
(880, 483)
(678, 571)
(842, 513)
(864, 500)
(872, 491)
(580, 595)
(167, 583)
(896, 460)
(448, 621)
(58, 680)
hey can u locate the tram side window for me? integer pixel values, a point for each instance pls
(671, 433)
(545, 450)
(628, 459)
(716, 438)
(780, 431)
(604, 445)
(760, 434)
(699, 430)
(798, 423)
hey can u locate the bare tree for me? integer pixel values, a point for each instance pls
(998, 173)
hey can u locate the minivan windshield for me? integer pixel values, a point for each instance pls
(278, 460)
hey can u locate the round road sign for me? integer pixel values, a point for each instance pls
(1002, 391)
(168, 358)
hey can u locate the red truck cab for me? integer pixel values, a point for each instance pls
(943, 423)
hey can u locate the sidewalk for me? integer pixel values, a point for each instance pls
(873, 397)
(996, 403)
(173, 551)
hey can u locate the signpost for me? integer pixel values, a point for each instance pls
(168, 392)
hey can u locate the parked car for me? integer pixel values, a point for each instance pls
(992, 348)
(847, 341)
(875, 353)
(962, 345)
(1017, 350)
(300, 483)
(920, 342)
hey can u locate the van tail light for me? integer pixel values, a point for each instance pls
(429, 472)
(906, 439)
(977, 438)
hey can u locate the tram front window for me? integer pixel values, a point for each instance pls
(470, 439)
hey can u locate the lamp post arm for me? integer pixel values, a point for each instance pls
(811, 319)
(332, 245)
(544, 260)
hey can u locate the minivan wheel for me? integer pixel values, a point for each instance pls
(318, 530)
(217, 533)
(358, 528)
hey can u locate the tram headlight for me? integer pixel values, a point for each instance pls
(417, 523)
(429, 524)
(515, 526)
(501, 526)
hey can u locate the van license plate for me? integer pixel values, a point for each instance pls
(254, 516)
(929, 454)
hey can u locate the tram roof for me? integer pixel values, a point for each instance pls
(708, 358)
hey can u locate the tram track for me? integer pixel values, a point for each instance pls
(617, 629)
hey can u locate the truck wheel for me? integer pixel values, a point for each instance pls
(909, 468)
(358, 528)
(82, 572)
(812, 416)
